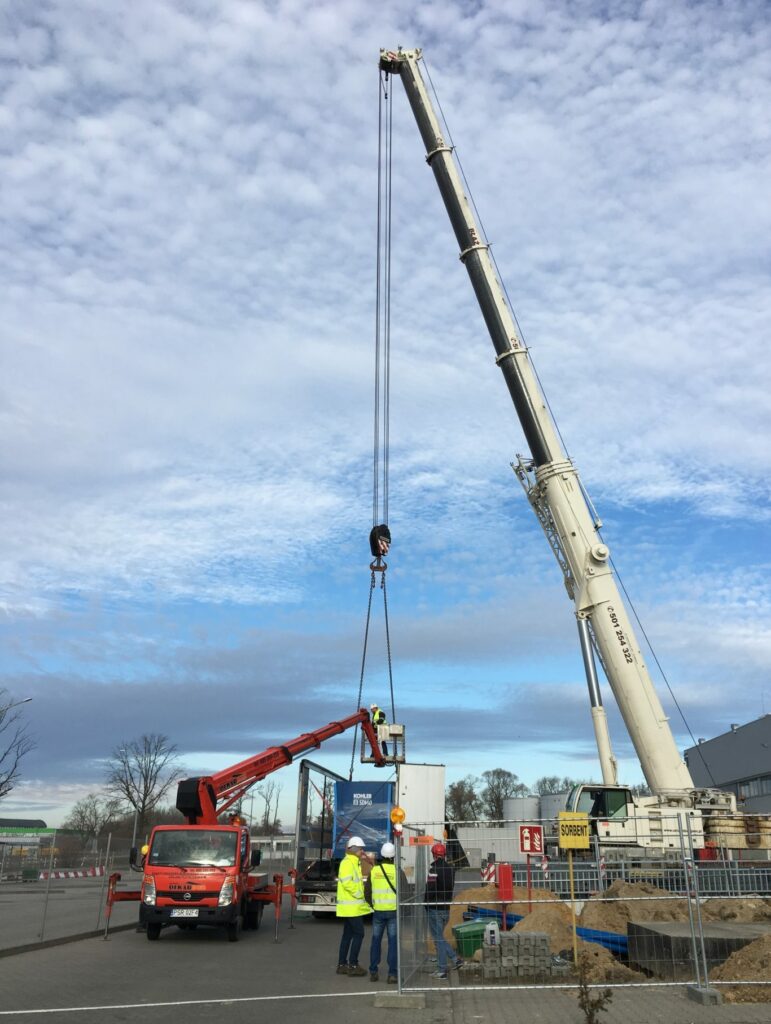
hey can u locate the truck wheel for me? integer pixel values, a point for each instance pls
(153, 931)
(234, 928)
(321, 915)
(254, 917)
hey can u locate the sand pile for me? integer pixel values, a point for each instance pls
(486, 896)
(631, 901)
(751, 962)
(747, 908)
(552, 918)
(602, 966)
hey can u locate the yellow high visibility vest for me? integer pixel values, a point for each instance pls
(383, 895)
(350, 900)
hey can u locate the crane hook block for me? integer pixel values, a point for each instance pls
(379, 540)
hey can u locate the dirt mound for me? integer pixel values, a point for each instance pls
(486, 896)
(554, 919)
(622, 902)
(745, 908)
(602, 966)
(750, 963)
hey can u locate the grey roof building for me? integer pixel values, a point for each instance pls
(739, 761)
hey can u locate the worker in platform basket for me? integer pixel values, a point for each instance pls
(439, 886)
(352, 907)
(382, 884)
(379, 718)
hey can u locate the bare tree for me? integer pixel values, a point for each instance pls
(141, 773)
(269, 791)
(15, 742)
(554, 784)
(499, 785)
(91, 815)
(462, 802)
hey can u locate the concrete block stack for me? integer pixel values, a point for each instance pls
(519, 955)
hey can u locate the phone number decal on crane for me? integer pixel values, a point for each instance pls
(620, 634)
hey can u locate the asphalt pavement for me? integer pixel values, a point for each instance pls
(204, 977)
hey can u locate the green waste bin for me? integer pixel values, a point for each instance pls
(29, 874)
(469, 936)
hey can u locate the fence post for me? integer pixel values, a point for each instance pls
(687, 870)
(104, 877)
(48, 886)
(399, 895)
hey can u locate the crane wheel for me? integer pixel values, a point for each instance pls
(153, 931)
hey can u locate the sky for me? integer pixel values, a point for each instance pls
(187, 239)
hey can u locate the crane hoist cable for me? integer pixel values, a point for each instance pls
(380, 535)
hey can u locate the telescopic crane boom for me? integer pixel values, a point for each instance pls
(553, 487)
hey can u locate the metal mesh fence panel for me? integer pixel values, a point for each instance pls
(694, 914)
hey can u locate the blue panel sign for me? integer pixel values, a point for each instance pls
(363, 809)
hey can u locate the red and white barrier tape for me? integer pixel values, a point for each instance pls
(65, 873)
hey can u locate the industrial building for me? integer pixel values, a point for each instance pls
(738, 761)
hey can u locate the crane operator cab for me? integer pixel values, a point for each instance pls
(611, 810)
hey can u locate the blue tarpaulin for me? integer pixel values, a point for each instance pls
(613, 941)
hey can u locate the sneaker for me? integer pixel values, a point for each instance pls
(356, 972)
(440, 974)
(392, 979)
(459, 963)
(342, 969)
(373, 976)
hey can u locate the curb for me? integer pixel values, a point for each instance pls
(30, 947)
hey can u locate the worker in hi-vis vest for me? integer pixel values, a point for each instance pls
(378, 719)
(382, 879)
(351, 905)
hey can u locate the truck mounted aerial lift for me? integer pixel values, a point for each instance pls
(201, 872)
(571, 526)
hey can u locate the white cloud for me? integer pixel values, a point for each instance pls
(186, 245)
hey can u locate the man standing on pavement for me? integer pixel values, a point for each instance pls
(351, 905)
(439, 886)
(382, 878)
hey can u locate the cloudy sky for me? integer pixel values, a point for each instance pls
(187, 237)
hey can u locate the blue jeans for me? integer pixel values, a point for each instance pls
(437, 918)
(350, 944)
(383, 921)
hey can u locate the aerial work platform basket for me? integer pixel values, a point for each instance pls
(391, 742)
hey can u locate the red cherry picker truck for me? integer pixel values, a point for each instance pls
(203, 872)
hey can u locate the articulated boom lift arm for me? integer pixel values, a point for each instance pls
(551, 480)
(201, 800)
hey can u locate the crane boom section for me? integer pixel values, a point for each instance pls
(551, 481)
(203, 799)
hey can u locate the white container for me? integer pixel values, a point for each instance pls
(492, 936)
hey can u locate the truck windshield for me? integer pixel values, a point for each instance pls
(193, 847)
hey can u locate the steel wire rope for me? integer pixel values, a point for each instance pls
(554, 419)
(659, 666)
(382, 371)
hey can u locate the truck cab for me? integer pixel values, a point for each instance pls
(200, 875)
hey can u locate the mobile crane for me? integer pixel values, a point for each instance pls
(553, 488)
(201, 872)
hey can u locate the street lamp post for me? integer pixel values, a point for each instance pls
(15, 704)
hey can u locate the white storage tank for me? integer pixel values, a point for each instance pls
(522, 808)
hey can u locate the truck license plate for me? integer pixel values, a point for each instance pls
(185, 912)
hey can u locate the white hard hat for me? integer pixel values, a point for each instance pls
(388, 850)
(373, 707)
(355, 841)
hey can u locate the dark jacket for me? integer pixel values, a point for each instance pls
(440, 882)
